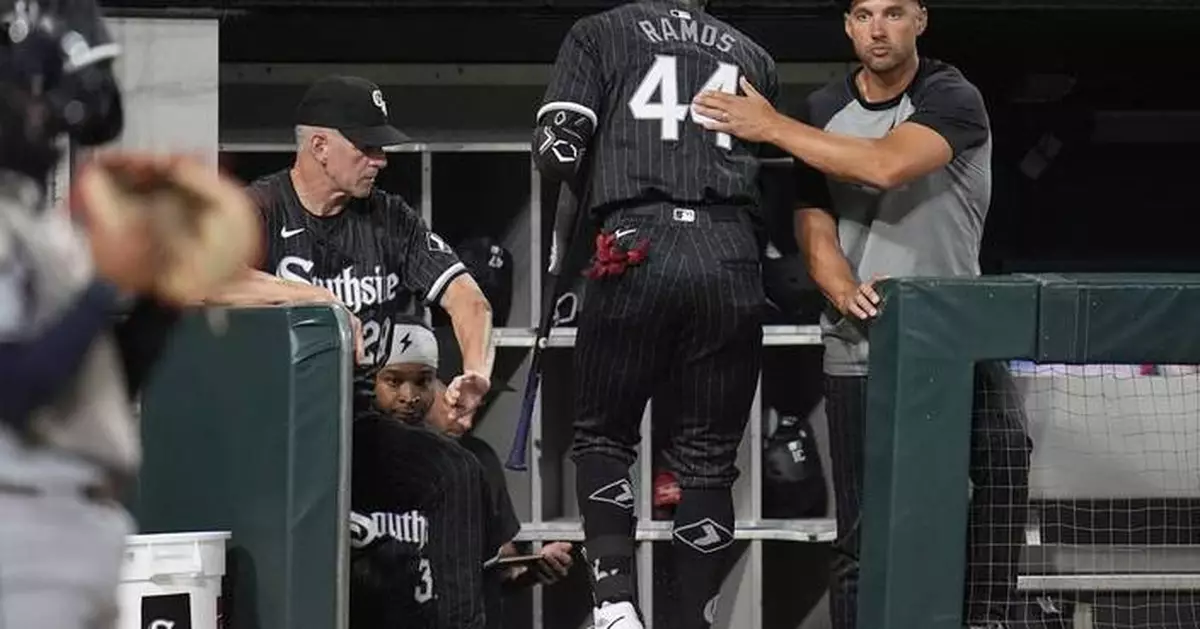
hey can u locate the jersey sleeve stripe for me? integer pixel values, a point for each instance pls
(573, 107)
(443, 280)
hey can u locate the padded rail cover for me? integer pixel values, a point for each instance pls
(246, 424)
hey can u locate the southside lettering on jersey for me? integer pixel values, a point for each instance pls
(377, 256)
(410, 527)
(418, 487)
(634, 71)
(354, 291)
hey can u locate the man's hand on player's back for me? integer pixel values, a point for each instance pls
(750, 117)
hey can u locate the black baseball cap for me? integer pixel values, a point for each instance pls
(352, 105)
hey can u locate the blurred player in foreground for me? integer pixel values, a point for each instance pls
(68, 370)
(894, 179)
(675, 298)
(421, 527)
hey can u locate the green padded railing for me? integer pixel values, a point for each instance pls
(924, 345)
(246, 425)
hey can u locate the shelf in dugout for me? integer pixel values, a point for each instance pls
(281, 140)
(773, 336)
(803, 531)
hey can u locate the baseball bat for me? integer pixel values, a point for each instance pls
(518, 454)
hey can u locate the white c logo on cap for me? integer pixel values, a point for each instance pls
(377, 98)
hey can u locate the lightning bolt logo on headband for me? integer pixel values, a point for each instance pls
(413, 343)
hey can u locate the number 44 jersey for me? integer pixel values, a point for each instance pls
(634, 71)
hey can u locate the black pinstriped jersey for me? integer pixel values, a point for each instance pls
(377, 255)
(634, 71)
(391, 576)
(427, 501)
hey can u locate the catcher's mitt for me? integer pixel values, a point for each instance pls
(203, 223)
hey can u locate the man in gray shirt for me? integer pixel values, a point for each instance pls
(894, 179)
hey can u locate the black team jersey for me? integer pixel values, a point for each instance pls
(634, 70)
(426, 501)
(503, 522)
(377, 255)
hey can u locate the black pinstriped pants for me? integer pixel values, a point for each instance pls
(687, 323)
(1000, 458)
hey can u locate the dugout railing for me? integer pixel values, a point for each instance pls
(924, 347)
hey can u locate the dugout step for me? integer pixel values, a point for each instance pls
(813, 530)
(773, 335)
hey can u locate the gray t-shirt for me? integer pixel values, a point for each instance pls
(929, 227)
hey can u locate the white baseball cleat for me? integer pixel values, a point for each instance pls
(616, 616)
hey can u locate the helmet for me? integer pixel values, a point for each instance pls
(55, 78)
(793, 480)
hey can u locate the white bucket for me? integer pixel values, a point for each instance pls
(168, 577)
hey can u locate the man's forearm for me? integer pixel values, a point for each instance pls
(473, 329)
(471, 315)
(838, 156)
(816, 233)
(256, 288)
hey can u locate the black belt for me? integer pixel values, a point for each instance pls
(687, 213)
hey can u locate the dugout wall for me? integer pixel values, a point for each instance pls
(246, 427)
(925, 343)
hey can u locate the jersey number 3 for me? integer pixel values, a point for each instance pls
(662, 77)
(424, 590)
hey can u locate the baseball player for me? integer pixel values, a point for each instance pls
(333, 236)
(894, 179)
(420, 522)
(408, 388)
(68, 443)
(675, 298)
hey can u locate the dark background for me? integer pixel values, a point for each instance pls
(1116, 196)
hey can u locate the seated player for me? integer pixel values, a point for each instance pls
(556, 556)
(419, 505)
(409, 389)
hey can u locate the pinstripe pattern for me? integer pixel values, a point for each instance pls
(845, 408)
(397, 468)
(600, 65)
(686, 324)
(1000, 451)
(377, 255)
